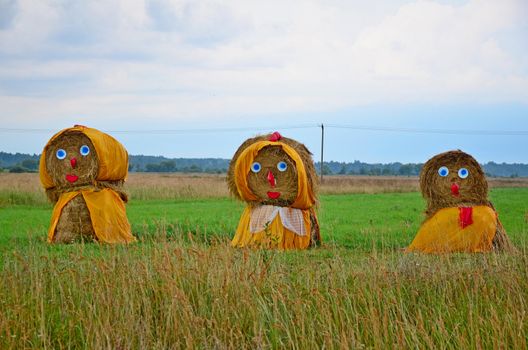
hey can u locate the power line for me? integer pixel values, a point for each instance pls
(431, 131)
(173, 131)
(212, 130)
(466, 132)
(25, 131)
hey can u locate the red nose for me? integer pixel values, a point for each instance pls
(73, 162)
(271, 179)
(455, 189)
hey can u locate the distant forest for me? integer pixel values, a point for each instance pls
(19, 162)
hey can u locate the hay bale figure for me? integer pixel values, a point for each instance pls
(460, 218)
(276, 177)
(83, 171)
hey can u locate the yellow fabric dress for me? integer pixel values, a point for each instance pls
(107, 209)
(444, 232)
(276, 235)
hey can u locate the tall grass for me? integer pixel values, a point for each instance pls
(182, 286)
(183, 294)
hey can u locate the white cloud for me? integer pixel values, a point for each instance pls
(217, 59)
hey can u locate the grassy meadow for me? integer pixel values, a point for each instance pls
(182, 286)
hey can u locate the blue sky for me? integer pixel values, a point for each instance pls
(204, 64)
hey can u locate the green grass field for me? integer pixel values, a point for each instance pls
(355, 221)
(182, 286)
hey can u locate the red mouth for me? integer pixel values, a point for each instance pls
(274, 195)
(455, 189)
(72, 178)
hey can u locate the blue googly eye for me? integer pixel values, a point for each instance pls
(282, 166)
(61, 154)
(256, 167)
(85, 150)
(443, 171)
(463, 173)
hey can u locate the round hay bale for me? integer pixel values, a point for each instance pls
(270, 172)
(83, 171)
(460, 217)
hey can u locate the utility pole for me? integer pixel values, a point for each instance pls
(322, 151)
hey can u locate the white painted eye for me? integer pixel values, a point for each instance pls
(282, 166)
(85, 150)
(443, 171)
(463, 173)
(61, 154)
(256, 167)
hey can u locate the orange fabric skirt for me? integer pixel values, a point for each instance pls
(444, 233)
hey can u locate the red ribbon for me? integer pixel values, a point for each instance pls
(275, 137)
(466, 217)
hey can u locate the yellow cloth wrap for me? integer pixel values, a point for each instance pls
(442, 232)
(112, 156)
(107, 212)
(277, 236)
(305, 196)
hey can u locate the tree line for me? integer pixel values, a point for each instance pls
(20, 162)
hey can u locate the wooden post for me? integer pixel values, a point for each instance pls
(322, 151)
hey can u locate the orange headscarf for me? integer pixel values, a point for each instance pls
(113, 157)
(305, 196)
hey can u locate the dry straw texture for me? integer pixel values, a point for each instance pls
(437, 190)
(74, 223)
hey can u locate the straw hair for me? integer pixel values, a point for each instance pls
(287, 181)
(437, 190)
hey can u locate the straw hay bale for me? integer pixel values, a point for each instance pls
(473, 190)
